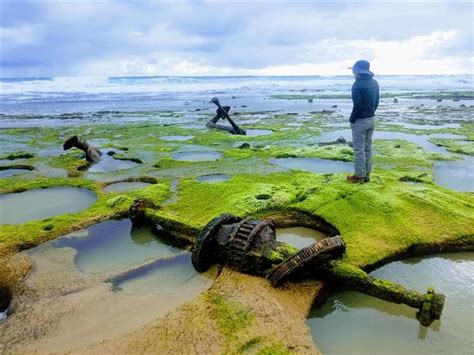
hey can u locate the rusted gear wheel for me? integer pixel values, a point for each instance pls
(205, 250)
(316, 253)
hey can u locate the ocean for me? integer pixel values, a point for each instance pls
(51, 101)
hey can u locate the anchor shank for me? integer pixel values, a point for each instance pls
(219, 126)
(430, 305)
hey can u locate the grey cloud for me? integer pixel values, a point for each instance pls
(239, 35)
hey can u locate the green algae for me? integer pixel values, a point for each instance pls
(461, 95)
(278, 348)
(114, 202)
(16, 166)
(282, 252)
(15, 156)
(106, 207)
(455, 146)
(457, 95)
(314, 192)
(231, 317)
(249, 345)
(385, 219)
(71, 162)
(377, 220)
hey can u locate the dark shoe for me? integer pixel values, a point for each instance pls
(367, 178)
(353, 178)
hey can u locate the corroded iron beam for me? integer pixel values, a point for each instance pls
(429, 305)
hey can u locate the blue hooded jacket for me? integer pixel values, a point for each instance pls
(365, 97)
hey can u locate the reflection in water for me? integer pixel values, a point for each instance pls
(11, 172)
(43, 203)
(373, 326)
(48, 171)
(258, 132)
(108, 163)
(70, 310)
(125, 186)
(142, 236)
(162, 276)
(421, 140)
(213, 178)
(197, 156)
(114, 245)
(457, 174)
(299, 237)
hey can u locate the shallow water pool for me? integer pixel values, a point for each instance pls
(125, 186)
(100, 283)
(367, 325)
(162, 276)
(258, 132)
(108, 163)
(213, 178)
(456, 174)
(11, 172)
(299, 237)
(197, 156)
(113, 245)
(420, 140)
(43, 203)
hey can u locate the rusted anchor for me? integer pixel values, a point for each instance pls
(223, 112)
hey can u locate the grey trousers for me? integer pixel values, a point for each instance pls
(362, 131)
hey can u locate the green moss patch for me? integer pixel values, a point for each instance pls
(231, 317)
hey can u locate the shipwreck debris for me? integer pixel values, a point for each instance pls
(249, 246)
(317, 253)
(223, 112)
(92, 153)
(429, 305)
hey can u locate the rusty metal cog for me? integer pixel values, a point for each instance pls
(205, 250)
(316, 253)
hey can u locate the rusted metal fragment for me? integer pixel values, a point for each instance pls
(205, 251)
(92, 153)
(222, 112)
(317, 253)
(429, 305)
(249, 246)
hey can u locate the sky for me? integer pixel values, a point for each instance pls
(135, 38)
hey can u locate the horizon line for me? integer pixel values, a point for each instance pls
(218, 76)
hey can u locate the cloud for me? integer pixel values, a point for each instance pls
(22, 36)
(416, 55)
(209, 37)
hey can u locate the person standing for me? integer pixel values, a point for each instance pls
(365, 99)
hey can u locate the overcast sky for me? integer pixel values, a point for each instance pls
(122, 38)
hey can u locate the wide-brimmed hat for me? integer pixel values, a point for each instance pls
(361, 67)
